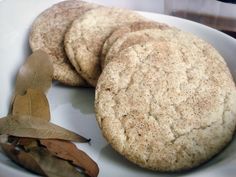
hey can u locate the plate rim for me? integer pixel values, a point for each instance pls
(12, 170)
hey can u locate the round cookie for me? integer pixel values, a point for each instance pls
(85, 38)
(137, 37)
(132, 27)
(48, 32)
(167, 105)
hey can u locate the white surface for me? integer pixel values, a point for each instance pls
(72, 108)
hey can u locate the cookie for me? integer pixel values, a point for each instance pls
(47, 33)
(137, 37)
(167, 105)
(85, 38)
(132, 27)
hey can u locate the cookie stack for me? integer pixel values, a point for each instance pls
(164, 99)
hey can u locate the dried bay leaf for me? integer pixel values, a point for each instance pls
(41, 161)
(29, 125)
(22, 158)
(33, 127)
(25, 143)
(53, 166)
(2, 123)
(33, 103)
(36, 73)
(68, 151)
(22, 141)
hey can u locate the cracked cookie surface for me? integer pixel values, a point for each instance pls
(85, 38)
(167, 105)
(132, 27)
(141, 36)
(48, 32)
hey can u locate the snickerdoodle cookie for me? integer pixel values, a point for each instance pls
(128, 28)
(48, 32)
(85, 38)
(167, 105)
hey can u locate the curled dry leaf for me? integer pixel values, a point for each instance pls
(68, 151)
(22, 158)
(22, 141)
(25, 143)
(36, 73)
(30, 123)
(40, 161)
(2, 123)
(53, 166)
(33, 103)
(33, 127)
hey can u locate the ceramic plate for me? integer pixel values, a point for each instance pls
(73, 108)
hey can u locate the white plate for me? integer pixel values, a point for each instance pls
(72, 108)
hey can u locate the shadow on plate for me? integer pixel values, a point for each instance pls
(110, 155)
(225, 157)
(80, 98)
